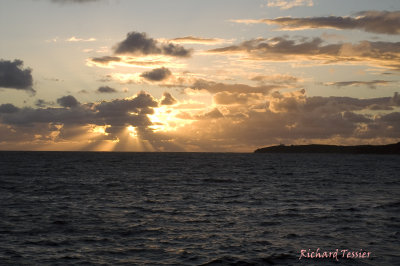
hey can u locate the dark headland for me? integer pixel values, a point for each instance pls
(318, 148)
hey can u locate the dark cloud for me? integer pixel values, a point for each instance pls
(396, 99)
(202, 116)
(168, 99)
(340, 104)
(283, 49)
(74, 1)
(42, 103)
(120, 112)
(355, 118)
(8, 108)
(13, 76)
(137, 104)
(377, 107)
(68, 101)
(106, 59)
(295, 118)
(122, 123)
(30, 116)
(106, 89)
(213, 114)
(116, 113)
(175, 50)
(276, 79)
(275, 48)
(383, 22)
(370, 84)
(214, 87)
(137, 43)
(157, 74)
(134, 49)
(227, 98)
(392, 118)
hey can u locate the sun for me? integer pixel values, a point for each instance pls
(132, 131)
(164, 119)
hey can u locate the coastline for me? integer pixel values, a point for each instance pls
(321, 148)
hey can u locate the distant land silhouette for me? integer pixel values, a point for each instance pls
(320, 148)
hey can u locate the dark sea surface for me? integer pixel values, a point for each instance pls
(87, 208)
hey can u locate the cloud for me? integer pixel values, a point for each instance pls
(139, 44)
(8, 108)
(142, 104)
(116, 113)
(138, 50)
(383, 22)
(175, 50)
(238, 124)
(214, 87)
(106, 89)
(197, 40)
(168, 99)
(228, 98)
(340, 104)
(382, 54)
(286, 102)
(128, 61)
(157, 74)
(122, 124)
(279, 48)
(287, 4)
(74, 1)
(13, 76)
(68, 101)
(370, 84)
(122, 112)
(42, 103)
(276, 79)
(396, 99)
(106, 59)
(292, 118)
(28, 117)
(75, 39)
(213, 114)
(176, 80)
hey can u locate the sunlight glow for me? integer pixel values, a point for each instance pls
(132, 131)
(165, 119)
(99, 129)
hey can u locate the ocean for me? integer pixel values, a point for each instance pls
(108, 208)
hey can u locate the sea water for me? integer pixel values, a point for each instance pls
(93, 208)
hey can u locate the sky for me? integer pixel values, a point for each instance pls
(198, 76)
